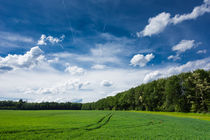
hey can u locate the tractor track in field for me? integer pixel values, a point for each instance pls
(100, 123)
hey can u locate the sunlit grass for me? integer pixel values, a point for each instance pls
(201, 116)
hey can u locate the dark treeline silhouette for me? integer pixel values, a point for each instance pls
(186, 92)
(22, 105)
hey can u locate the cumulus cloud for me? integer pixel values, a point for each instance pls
(28, 60)
(58, 88)
(106, 83)
(74, 70)
(201, 51)
(171, 70)
(53, 40)
(158, 23)
(181, 47)
(141, 60)
(42, 39)
(184, 45)
(75, 84)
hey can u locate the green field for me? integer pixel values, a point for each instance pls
(62, 124)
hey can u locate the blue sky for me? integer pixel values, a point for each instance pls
(59, 50)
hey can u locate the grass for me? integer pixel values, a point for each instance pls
(61, 124)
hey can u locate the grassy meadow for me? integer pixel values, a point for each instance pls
(65, 124)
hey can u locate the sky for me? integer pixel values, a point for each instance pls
(82, 51)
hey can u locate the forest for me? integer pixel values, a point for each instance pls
(186, 92)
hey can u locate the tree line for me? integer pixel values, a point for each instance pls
(23, 105)
(186, 92)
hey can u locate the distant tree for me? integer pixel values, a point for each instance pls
(20, 104)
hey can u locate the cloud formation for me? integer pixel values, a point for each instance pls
(58, 88)
(42, 39)
(55, 85)
(184, 45)
(158, 23)
(53, 40)
(28, 60)
(108, 51)
(141, 60)
(74, 70)
(181, 47)
(196, 12)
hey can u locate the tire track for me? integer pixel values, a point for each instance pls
(103, 121)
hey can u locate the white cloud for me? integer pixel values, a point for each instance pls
(74, 70)
(38, 86)
(141, 60)
(14, 40)
(110, 52)
(106, 83)
(184, 45)
(28, 60)
(158, 23)
(152, 76)
(201, 51)
(57, 92)
(174, 57)
(99, 67)
(42, 39)
(64, 87)
(53, 40)
(53, 85)
(91, 58)
(181, 47)
(197, 11)
(171, 70)
(103, 53)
